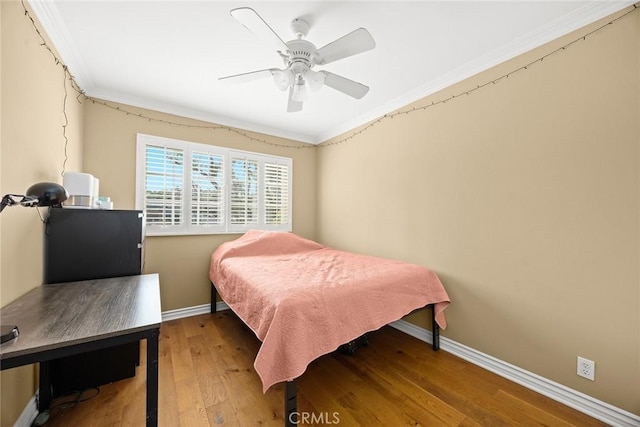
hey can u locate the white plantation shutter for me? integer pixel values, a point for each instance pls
(244, 191)
(164, 186)
(276, 193)
(190, 188)
(207, 189)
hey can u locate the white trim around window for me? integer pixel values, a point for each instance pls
(191, 188)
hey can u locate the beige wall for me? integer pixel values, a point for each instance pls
(524, 197)
(32, 150)
(182, 261)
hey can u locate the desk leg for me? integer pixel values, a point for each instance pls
(44, 393)
(152, 378)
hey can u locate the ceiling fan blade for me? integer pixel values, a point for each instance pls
(250, 76)
(344, 85)
(355, 42)
(253, 22)
(293, 106)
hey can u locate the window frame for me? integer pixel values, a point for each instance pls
(228, 154)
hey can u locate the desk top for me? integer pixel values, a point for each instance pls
(64, 314)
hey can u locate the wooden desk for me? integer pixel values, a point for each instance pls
(69, 318)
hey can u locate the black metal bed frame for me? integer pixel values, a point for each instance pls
(290, 389)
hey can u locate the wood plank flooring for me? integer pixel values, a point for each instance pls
(207, 379)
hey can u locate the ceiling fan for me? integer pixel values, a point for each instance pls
(300, 56)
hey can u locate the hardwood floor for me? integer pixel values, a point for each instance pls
(207, 379)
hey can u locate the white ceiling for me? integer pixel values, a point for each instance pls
(168, 55)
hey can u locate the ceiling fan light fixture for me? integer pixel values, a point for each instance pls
(283, 79)
(314, 79)
(300, 90)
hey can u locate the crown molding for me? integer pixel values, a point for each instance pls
(214, 119)
(47, 13)
(588, 14)
(49, 16)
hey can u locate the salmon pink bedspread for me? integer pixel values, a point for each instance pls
(303, 299)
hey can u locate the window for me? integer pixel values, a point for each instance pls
(189, 188)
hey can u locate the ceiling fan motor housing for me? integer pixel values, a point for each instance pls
(300, 27)
(301, 56)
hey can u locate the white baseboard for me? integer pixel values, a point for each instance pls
(192, 311)
(29, 413)
(586, 404)
(595, 408)
(186, 312)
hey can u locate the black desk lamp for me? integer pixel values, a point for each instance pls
(40, 194)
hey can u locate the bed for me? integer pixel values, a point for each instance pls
(303, 299)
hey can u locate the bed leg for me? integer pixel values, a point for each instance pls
(435, 337)
(290, 404)
(213, 298)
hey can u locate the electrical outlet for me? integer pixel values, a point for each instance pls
(586, 368)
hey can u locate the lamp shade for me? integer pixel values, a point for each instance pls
(282, 79)
(315, 80)
(48, 193)
(300, 91)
